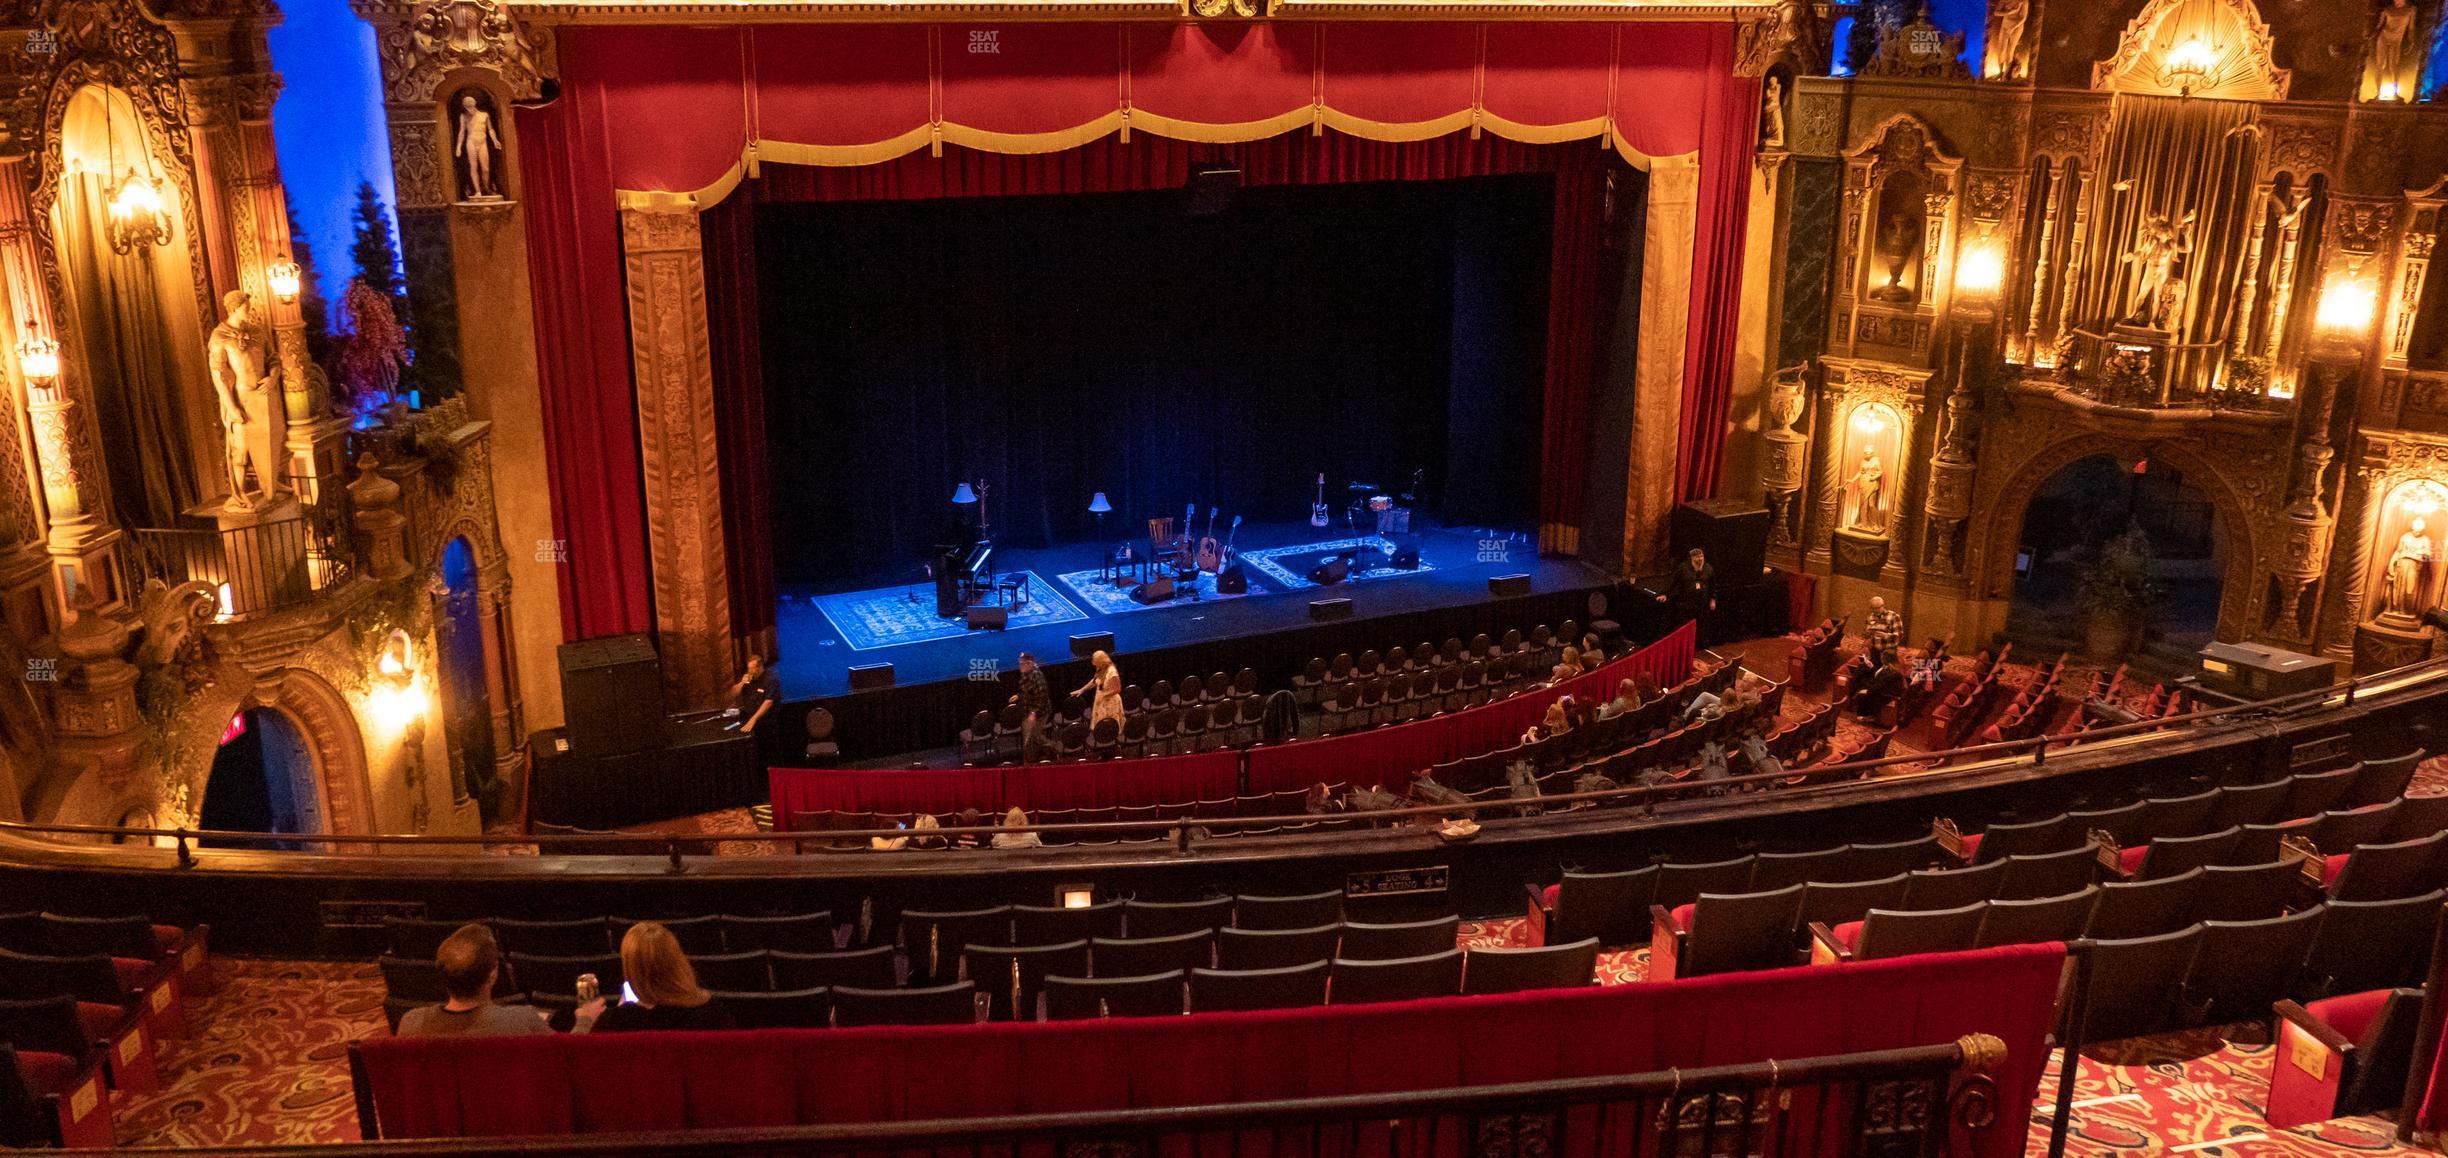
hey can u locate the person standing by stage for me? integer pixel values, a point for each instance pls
(1105, 686)
(1693, 592)
(752, 698)
(1036, 703)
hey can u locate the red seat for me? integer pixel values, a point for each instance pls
(2352, 1014)
(2129, 860)
(80, 1102)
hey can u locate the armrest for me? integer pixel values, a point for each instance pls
(2309, 1072)
(1665, 943)
(1537, 914)
(2293, 1014)
(1825, 948)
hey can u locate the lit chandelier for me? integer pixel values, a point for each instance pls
(2190, 65)
(136, 213)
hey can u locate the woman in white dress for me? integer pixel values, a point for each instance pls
(1105, 685)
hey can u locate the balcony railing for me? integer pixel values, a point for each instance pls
(271, 565)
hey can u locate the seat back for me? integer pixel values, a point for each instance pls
(1901, 932)
(410, 980)
(1612, 907)
(933, 939)
(1775, 870)
(796, 933)
(1834, 903)
(1999, 841)
(2313, 793)
(407, 936)
(1742, 931)
(1514, 970)
(2419, 816)
(2371, 945)
(1053, 924)
(2383, 779)
(45, 1025)
(1248, 949)
(2344, 829)
(2248, 892)
(2130, 909)
(2124, 822)
(1146, 919)
(1396, 978)
(2049, 874)
(1953, 888)
(1365, 941)
(585, 937)
(2261, 843)
(2026, 922)
(2384, 872)
(787, 1009)
(746, 972)
(1681, 884)
(1141, 956)
(1291, 987)
(1081, 998)
(952, 1004)
(1011, 975)
(2134, 983)
(540, 975)
(130, 937)
(696, 935)
(1306, 911)
(2244, 966)
(2249, 803)
(2169, 856)
(2174, 816)
(870, 968)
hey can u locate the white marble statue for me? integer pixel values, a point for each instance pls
(2409, 572)
(1772, 114)
(475, 144)
(1867, 492)
(2158, 242)
(2392, 45)
(2005, 39)
(246, 382)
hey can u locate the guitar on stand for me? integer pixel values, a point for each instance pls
(1185, 549)
(1318, 514)
(1230, 578)
(1210, 552)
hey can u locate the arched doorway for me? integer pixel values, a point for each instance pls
(467, 707)
(263, 780)
(2106, 541)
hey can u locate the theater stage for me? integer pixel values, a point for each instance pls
(820, 636)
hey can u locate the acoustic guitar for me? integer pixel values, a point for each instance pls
(1317, 510)
(1210, 552)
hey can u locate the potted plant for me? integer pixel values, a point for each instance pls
(2115, 592)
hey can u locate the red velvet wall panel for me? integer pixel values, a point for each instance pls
(1223, 74)
(840, 82)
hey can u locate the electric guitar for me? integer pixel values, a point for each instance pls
(1317, 510)
(1210, 553)
(1229, 535)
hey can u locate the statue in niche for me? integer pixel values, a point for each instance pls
(1865, 492)
(2158, 244)
(2392, 43)
(2005, 39)
(247, 386)
(1899, 239)
(2168, 310)
(1772, 114)
(475, 144)
(2409, 572)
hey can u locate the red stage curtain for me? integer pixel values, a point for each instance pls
(729, 232)
(1573, 310)
(1716, 291)
(582, 367)
(463, 1087)
(1391, 757)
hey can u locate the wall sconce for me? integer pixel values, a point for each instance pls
(2421, 500)
(396, 700)
(2189, 65)
(1980, 268)
(1075, 896)
(286, 280)
(2348, 304)
(38, 357)
(1868, 420)
(137, 215)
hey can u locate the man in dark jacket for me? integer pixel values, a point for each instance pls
(1036, 702)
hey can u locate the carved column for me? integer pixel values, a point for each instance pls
(1665, 319)
(1785, 457)
(375, 500)
(82, 546)
(2248, 286)
(670, 348)
(95, 700)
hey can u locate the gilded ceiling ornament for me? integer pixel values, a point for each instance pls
(422, 44)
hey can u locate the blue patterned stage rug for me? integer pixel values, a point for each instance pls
(887, 618)
(1288, 567)
(1106, 599)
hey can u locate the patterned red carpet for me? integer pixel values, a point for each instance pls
(2197, 1092)
(267, 1062)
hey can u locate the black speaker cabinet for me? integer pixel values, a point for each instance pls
(1406, 559)
(867, 677)
(993, 615)
(1507, 586)
(1330, 572)
(1154, 590)
(1083, 646)
(612, 695)
(1325, 609)
(1732, 531)
(1232, 580)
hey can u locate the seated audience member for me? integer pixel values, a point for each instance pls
(1646, 685)
(1713, 761)
(1015, 820)
(1627, 697)
(1703, 706)
(927, 834)
(1762, 761)
(1321, 801)
(889, 843)
(1567, 667)
(1883, 685)
(969, 818)
(668, 996)
(1593, 656)
(470, 962)
(1559, 720)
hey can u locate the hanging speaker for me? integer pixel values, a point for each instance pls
(1210, 189)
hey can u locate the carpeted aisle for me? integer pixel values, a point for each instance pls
(2196, 1092)
(267, 1062)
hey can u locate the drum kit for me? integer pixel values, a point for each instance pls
(1371, 506)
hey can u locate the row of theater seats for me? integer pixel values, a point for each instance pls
(1812, 662)
(1375, 701)
(84, 1002)
(1536, 656)
(1596, 739)
(1289, 805)
(1116, 958)
(1957, 715)
(2033, 708)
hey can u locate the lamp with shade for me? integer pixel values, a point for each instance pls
(38, 357)
(1099, 506)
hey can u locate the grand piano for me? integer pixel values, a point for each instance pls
(961, 575)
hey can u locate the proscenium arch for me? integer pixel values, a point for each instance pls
(2230, 514)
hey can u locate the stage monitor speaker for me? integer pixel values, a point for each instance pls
(867, 677)
(1406, 559)
(1232, 580)
(1153, 591)
(1733, 532)
(1330, 572)
(1507, 586)
(993, 615)
(1083, 646)
(612, 695)
(1324, 609)
(1210, 189)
